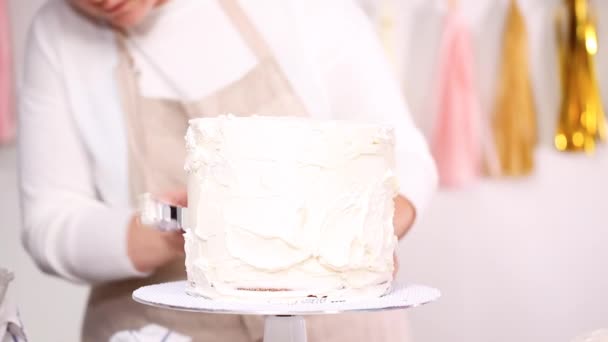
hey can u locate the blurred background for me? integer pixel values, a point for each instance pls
(520, 250)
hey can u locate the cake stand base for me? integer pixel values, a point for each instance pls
(284, 321)
(284, 328)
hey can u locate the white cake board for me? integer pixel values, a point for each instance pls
(284, 322)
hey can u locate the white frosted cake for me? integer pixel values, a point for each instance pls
(289, 207)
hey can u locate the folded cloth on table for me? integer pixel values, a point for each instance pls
(11, 328)
(149, 333)
(594, 336)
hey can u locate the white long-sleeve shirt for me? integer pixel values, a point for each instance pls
(72, 144)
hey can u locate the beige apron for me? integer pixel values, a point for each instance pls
(156, 131)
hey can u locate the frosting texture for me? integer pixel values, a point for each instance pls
(284, 207)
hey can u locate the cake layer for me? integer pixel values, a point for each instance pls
(289, 207)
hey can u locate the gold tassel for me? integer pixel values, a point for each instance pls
(581, 121)
(514, 119)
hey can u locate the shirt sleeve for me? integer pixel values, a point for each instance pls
(67, 230)
(362, 86)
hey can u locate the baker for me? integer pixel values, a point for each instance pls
(109, 86)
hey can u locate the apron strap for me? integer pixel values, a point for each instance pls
(243, 24)
(239, 19)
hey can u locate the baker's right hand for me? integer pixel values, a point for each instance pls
(149, 248)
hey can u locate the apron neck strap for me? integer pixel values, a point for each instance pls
(243, 24)
(235, 13)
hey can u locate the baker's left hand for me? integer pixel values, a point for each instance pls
(405, 213)
(404, 216)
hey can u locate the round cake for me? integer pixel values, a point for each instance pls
(283, 207)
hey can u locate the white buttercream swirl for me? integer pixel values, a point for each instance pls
(289, 204)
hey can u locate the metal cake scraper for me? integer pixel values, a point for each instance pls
(161, 215)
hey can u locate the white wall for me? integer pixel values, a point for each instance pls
(518, 260)
(521, 260)
(21, 12)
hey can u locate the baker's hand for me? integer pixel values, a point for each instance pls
(405, 214)
(404, 217)
(149, 248)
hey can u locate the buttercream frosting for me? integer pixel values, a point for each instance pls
(283, 207)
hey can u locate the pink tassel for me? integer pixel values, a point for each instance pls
(7, 122)
(456, 140)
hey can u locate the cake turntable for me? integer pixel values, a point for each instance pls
(283, 321)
